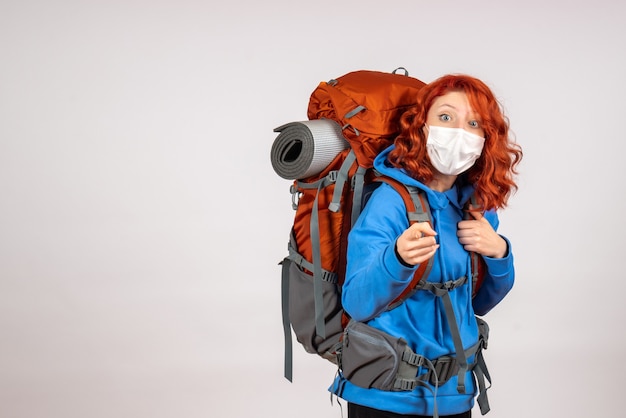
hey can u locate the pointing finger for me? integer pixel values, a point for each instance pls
(420, 230)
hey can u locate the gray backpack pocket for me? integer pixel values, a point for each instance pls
(302, 303)
(371, 358)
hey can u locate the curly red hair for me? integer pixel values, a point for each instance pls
(493, 172)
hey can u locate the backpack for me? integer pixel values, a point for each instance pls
(330, 159)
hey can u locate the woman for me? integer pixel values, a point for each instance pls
(453, 145)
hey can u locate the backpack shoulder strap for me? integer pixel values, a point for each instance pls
(418, 210)
(478, 267)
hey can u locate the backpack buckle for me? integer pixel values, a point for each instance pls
(295, 196)
(445, 368)
(453, 284)
(355, 130)
(449, 285)
(440, 371)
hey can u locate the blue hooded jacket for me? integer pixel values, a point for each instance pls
(375, 276)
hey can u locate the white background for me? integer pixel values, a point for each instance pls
(141, 223)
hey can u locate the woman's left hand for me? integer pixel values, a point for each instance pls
(478, 235)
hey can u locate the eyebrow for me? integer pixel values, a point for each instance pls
(472, 113)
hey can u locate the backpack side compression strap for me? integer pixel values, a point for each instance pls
(318, 274)
(294, 257)
(288, 366)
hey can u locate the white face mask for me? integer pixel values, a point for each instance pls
(453, 150)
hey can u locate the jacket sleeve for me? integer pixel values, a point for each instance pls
(374, 274)
(499, 278)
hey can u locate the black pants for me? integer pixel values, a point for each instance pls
(358, 411)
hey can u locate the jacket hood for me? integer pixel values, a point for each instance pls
(382, 165)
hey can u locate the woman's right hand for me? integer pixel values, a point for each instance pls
(417, 243)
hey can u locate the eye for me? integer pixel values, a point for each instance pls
(474, 124)
(444, 117)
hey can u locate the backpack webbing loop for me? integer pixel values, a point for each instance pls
(406, 72)
(350, 114)
(354, 111)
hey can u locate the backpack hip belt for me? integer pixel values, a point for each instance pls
(440, 371)
(371, 358)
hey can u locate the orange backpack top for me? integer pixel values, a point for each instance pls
(368, 105)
